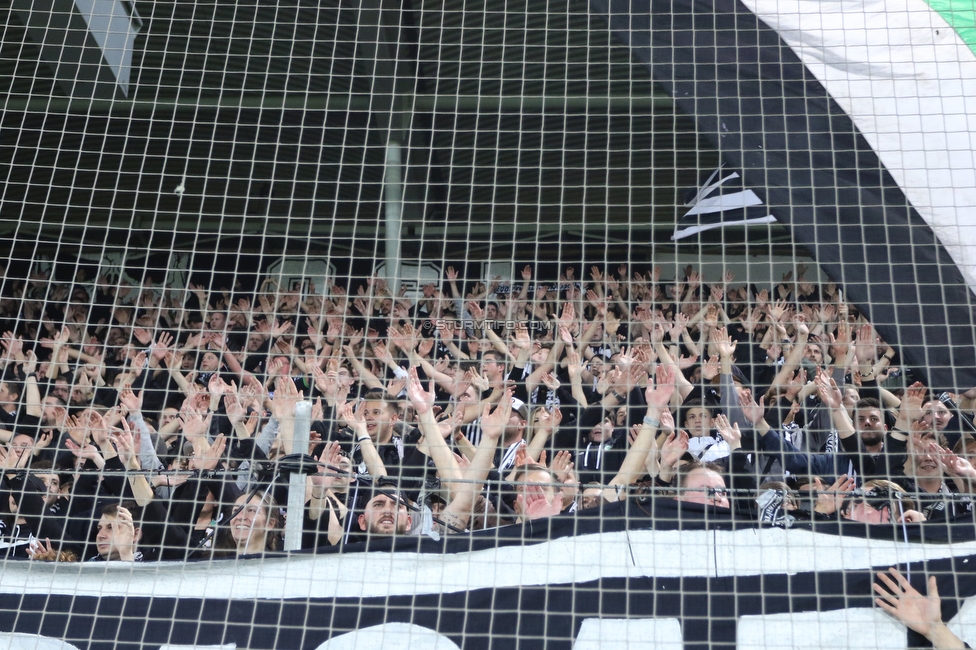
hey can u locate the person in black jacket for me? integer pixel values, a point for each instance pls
(118, 536)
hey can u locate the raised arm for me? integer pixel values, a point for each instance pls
(147, 451)
(445, 332)
(910, 410)
(365, 375)
(322, 484)
(125, 445)
(443, 380)
(792, 361)
(729, 397)
(658, 397)
(832, 396)
(286, 396)
(173, 362)
(440, 453)
(574, 367)
(233, 364)
(548, 424)
(458, 511)
(32, 394)
(356, 420)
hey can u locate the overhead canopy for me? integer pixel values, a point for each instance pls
(521, 123)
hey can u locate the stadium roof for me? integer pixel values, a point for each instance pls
(523, 121)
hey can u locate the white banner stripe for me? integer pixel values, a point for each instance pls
(664, 554)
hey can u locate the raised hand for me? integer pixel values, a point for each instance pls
(568, 315)
(828, 391)
(195, 425)
(762, 298)
(44, 440)
(125, 446)
(88, 452)
(802, 330)
(326, 382)
(161, 347)
(131, 401)
(478, 381)
(195, 340)
(423, 401)
(955, 465)
(77, 427)
(675, 446)
(550, 381)
(521, 340)
(776, 311)
(445, 330)
(831, 500)
(493, 423)
(333, 330)
(562, 466)
(286, 397)
(866, 347)
(279, 330)
(328, 465)
(399, 339)
(425, 347)
(142, 335)
(912, 401)
(565, 336)
(729, 432)
(659, 395)
(711, 368)
(211, 457)
(796, 383)
(13, 346)
(536, 504)
(218, 386)
(353, 415)
(451, 423)
(686, 362)
(724, 344)
(667, 421)
(920, 613)
(632, 434)
(475, 310)
(574, 364)
(218, 341)
(248, 396)
(234, 409)
(42, 552)
(752, 411)
(395, 386)
(98, 428)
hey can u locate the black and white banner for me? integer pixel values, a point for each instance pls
(585, 582)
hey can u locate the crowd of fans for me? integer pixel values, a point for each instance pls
(144, 423)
